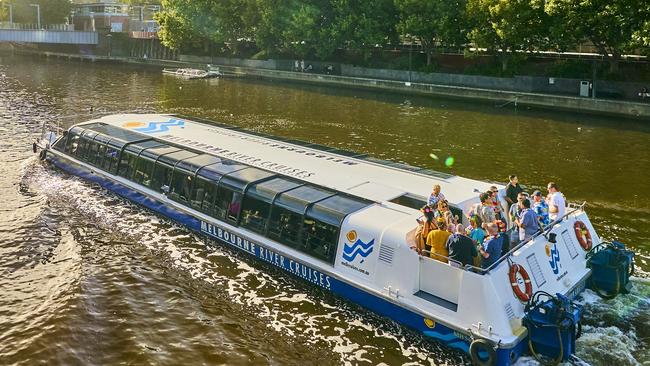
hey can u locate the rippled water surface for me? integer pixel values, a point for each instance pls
(89, 278)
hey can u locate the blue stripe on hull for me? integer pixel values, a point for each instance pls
(377, 304)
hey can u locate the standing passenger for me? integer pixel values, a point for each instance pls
(512, 190)
(424, 228)
(541, 209)
(437, 240)
(527, 221)
(436, 196)
(490, 251)
(556, 202)
(486, 212)
(461, 248)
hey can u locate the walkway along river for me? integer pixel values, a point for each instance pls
(88, 278)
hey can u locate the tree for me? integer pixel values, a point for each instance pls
(505, 27)
(607, 24)
(52, 11)
(432, 22)
(224, 21)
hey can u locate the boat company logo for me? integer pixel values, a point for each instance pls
(554, 256)
(354, 247)
(154, 127)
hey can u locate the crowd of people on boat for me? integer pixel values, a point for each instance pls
(495, 226)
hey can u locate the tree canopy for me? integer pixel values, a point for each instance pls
(317, 28)
(52, 11)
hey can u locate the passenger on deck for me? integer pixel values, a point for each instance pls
(424, 228)
(437, 239)
(541, 209)
(515, 209)
(490, 251)
(460, 247)
(436, 196)
(527, 221)
(486, 212)
(494, 196)
(556, 202)
(476, 232)
(512, 190)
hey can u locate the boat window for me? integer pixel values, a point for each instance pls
(154, 152)
(101, 140)
(322, 222)
(231, 189)
(334, 209)
(257, 202)
(195, 163)
(127, 164)
(90, 153)
(111, 157)
(72, 143)
(181, 186)
(203, 195)
(59, 144)
(286, 218)
(161, 176)
(319, 239)
(142, 171)
(137, 147)
(85, 144)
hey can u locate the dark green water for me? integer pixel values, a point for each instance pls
(88, 278)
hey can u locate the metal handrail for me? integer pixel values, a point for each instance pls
(543, 232)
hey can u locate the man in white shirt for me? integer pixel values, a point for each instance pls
(556, 202)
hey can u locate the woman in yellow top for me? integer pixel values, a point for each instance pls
(437, 239)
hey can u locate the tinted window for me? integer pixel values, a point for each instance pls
(111, 158)
(285, 225)
(162, 176)
(127, 164)
(181, 187)
(203, 196)
(254, 214)
(82, 151)
(227, 204)
(72, 144)
(319, 239)
(143, 170)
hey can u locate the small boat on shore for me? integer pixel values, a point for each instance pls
(189, 73)
(346, 223)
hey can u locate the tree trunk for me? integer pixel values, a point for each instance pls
(614, 63)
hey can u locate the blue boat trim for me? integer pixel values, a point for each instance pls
(428, 327)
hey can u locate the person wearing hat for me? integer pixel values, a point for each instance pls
(540, 208)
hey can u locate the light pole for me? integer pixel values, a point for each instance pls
(38, 14)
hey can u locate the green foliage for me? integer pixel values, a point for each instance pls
(52, 11)
(433, 22)
(510, 30)
(608, 24)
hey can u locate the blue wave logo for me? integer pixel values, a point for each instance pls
(356, 247)
(555, 259)
(155, 127)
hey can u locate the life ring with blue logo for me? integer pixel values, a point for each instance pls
(583, 235)
(525, 294)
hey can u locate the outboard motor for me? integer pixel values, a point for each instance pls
(553, 326)
(611, 267)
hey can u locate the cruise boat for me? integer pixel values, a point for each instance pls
(345, 222)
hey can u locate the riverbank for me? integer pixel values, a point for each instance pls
(500, 97)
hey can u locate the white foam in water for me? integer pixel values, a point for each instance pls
(245, 288)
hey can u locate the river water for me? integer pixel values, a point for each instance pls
(87, 278)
